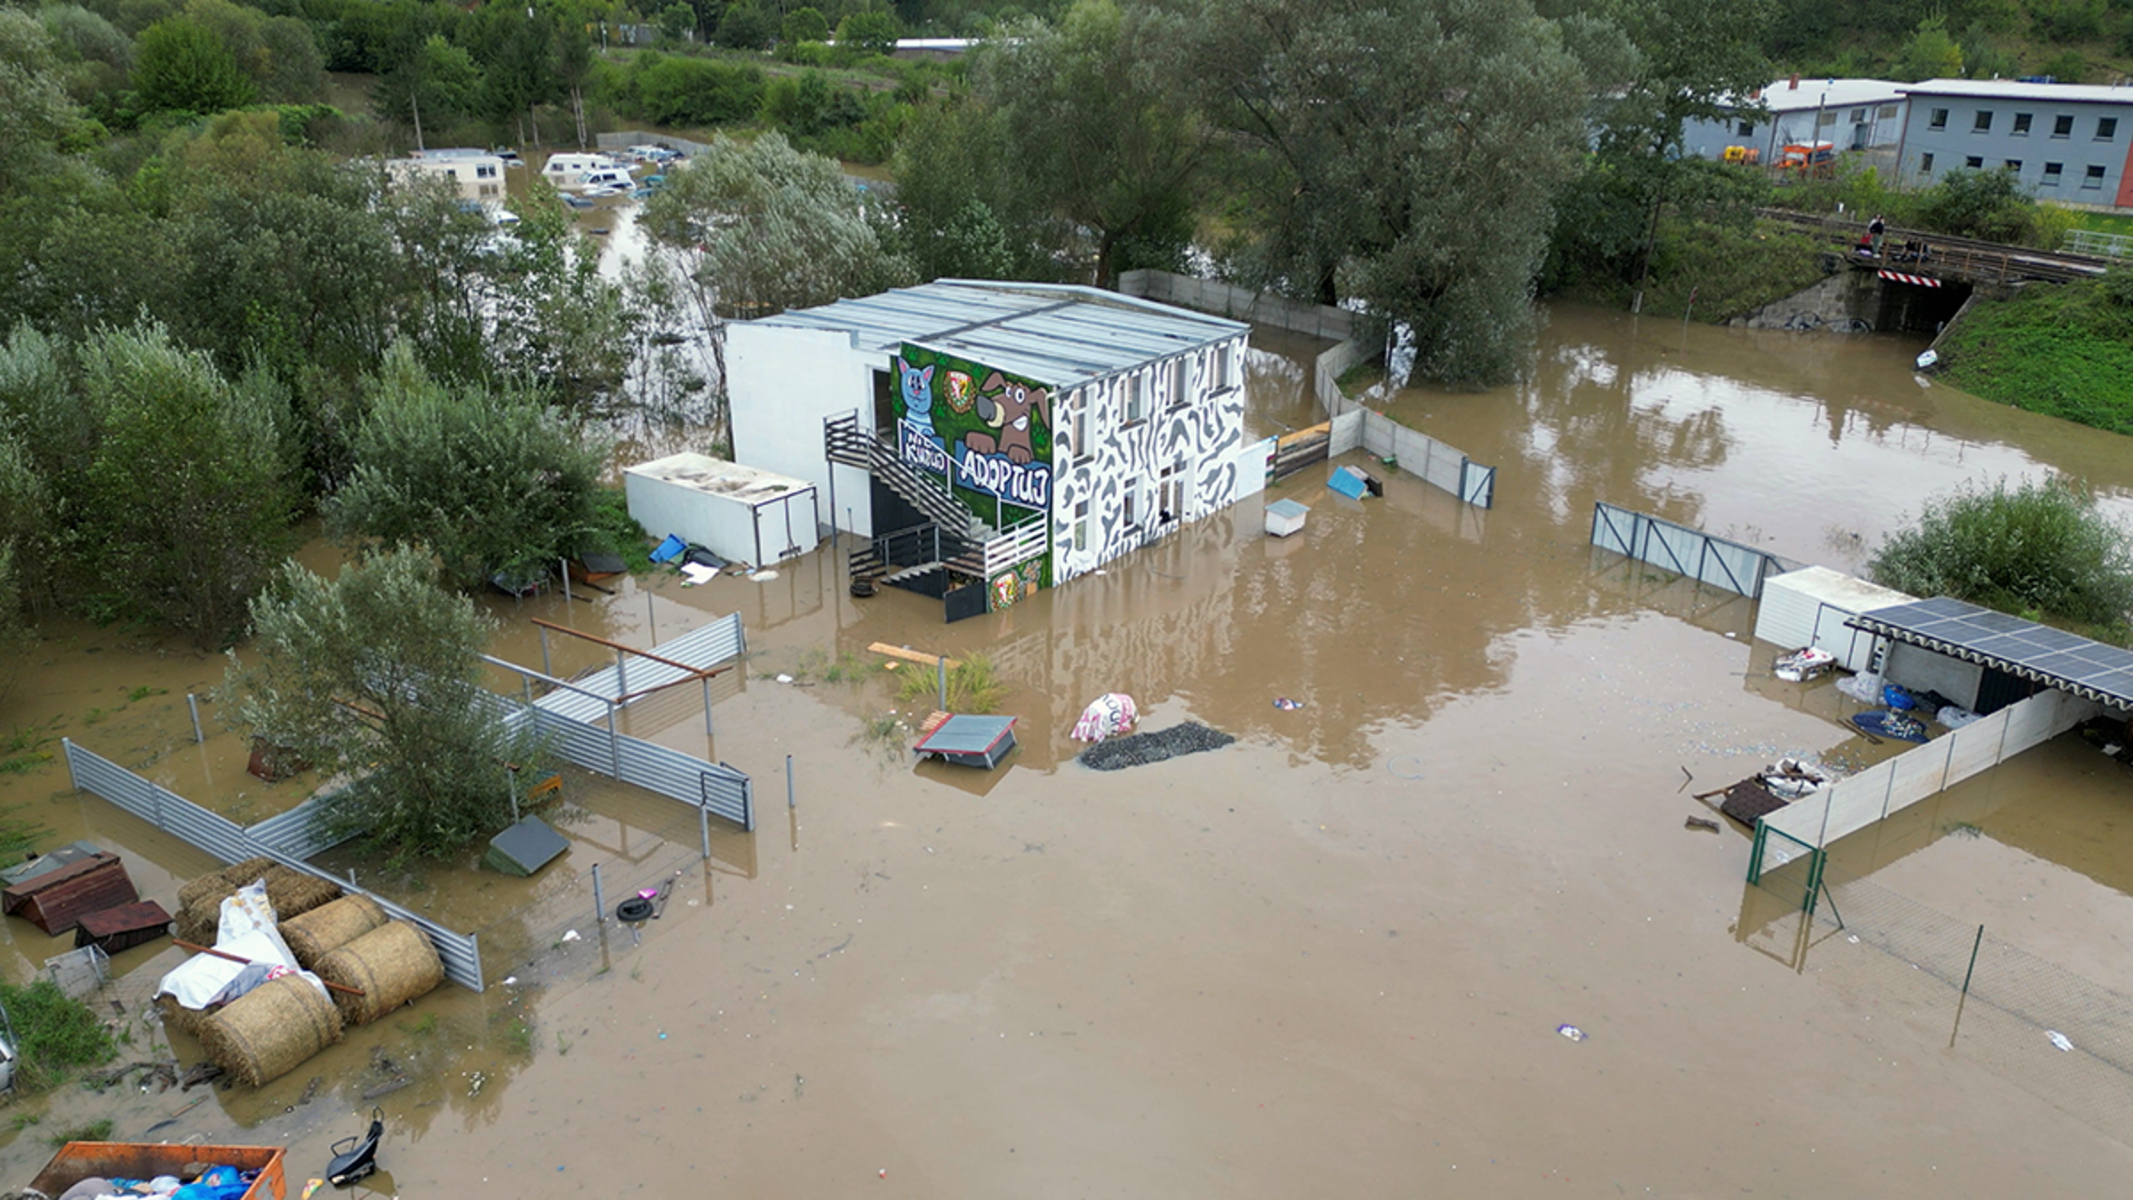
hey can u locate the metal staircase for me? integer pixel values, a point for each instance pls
(843, 441)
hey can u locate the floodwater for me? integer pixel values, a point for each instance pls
(1329, 959)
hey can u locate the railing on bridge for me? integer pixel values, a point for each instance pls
(2100, 245)
(1968, 260)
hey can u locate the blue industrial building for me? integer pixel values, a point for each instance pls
(2067, 143)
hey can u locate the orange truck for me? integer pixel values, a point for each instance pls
(77, 1161)
(1808, 158)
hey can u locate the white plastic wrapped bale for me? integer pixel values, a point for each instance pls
(246, 931)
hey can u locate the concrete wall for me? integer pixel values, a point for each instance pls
(783, 382)
(1931, 150)
(1846, 302)
(1238, 304)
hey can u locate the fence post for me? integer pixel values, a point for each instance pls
(703, 822)
(941, 664)
(622, 677)
(789, 801)
(651, 616)
(707, 705)
(547, 668)
(66, 746)
(193, 703)
(1963, 999)
(614, 742)
(599, 904)
(565, 564)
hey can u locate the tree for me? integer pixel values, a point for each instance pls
(2038, 548)
(487, 480)
(677, 22)
(187, 477)
(746, 25)
(950, 159)
(1404, 154)
(437, 80)
(806, 24)
(376, 676)
(34, 109)
(868, 31)
(1091, 124)
(1929, 54)
(180, 66)
(773, 228)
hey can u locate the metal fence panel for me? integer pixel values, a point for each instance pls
(298, 833)
(225, 840)
(461, 952)
(669, 772)
(1684, 551)
(160, 807)
(1477, 484)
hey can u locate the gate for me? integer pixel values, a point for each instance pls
(1477, 484)
(1295, 451)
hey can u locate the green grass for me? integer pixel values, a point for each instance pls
(519, 1036)
(98, 1130)
(614, 529)
(2062, 349)
(421, 1026)
(57, 1034)
(973, 686)
(1714, 273)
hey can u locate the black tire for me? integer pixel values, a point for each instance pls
(634, 909)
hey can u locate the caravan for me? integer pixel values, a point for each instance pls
(572, 170)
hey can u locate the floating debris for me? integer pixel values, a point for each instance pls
(1140, 749)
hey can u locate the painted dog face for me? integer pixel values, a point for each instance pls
(1008, 406)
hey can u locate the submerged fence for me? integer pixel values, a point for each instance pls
(1415, 452)
(230, 842)
(1808, 825)
(1684, 551)
(2045, 1028)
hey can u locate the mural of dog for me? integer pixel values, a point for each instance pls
(917, 385)
(1007, 406)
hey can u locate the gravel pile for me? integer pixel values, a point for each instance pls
(1140, 749)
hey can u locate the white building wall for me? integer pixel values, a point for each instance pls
(782, 383)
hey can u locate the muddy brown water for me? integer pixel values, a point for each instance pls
(1329, 959)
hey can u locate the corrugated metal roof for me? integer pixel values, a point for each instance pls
(1056, 334)
(2010, 89)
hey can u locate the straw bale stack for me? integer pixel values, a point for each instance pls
(293, 893)
(177, 1016)
(271, 1030)
(390, 965)
(313, 935)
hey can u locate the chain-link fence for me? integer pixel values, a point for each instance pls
(2053, 1032)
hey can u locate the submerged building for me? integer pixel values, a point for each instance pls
(992, 439)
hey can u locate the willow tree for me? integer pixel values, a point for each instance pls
(375, 676)
(1403, 153)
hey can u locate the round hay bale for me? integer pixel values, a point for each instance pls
(271, 1030)
(390, 965)
(177, 1016)
(315, 934)
(294, 893)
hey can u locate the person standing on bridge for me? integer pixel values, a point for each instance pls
(1877, 229)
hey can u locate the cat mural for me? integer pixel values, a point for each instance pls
(916, 384)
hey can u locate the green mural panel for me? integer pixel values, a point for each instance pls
(986, 433)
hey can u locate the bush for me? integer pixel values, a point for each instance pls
(973, 686)
(488, 481)
(57, 1034)
(2042, 550)
(692, 91)
(1981, 204)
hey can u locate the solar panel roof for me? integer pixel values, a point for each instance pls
(966, 733)
(1056, 334)
(2008, 643)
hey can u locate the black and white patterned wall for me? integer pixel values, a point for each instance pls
(1136, 481)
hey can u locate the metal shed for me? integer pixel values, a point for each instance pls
(739, 513)
(1810, 607)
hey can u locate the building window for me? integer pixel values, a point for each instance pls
(2106, 128)
(1887, 113)
(1746, 129)
(1939, 119)
(1974, 163)
(2094, 178)
(1170, 492)
(1131, 517)
(1081, 527)
(1828, 118)
(1228, 367)
(484, 171)
(1078, 424)
(2012, 164)
(1925, 164)
(1983, 123)
(1858, 116)
(2051, 173)
(2062, 126)
(1130, 410)
(2021, 126)
(1180, 382)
